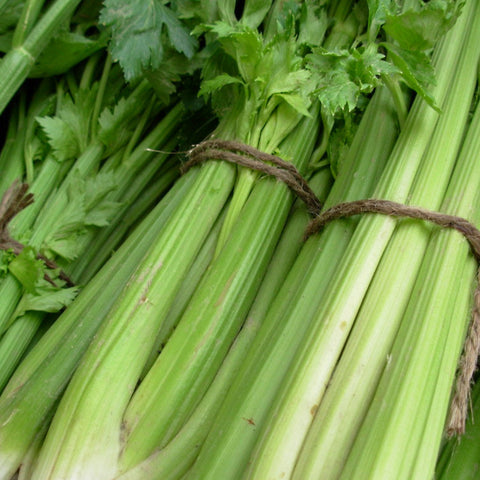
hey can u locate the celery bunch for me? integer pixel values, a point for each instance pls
(205, 338)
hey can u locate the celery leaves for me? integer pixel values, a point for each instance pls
(88, 205)
(344, 76)
(40, 294)
(68, 131)
(139, 31)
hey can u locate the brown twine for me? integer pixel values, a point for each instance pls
(14, 200)
(468, 362)
(249, 157)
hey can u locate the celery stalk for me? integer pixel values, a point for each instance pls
(17, 63)
(459, 458)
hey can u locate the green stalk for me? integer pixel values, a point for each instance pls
(31, 11)
(176, 457)
(16, 64)
(28, 399)
(251, 394)
(15, 341)
(416, 390)
(12, 165)
(185, 293)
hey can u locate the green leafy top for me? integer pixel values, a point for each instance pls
(249, 75)
(140, 30)
(410, 35)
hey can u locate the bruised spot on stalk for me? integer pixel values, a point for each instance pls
(313, 410)
(343, 325)
(250, 421)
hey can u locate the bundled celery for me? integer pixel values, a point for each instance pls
(202, 349)
(415, 388)
(350, 391)
(289, 318)
(38, 381)
(174, 459)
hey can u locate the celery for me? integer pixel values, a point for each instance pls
(15, 66)
(275, 347)
(29, 397)
(174, 459)
(215, 313)
(459, 458)
(415, 388)
(227, 448)
(349, 392)
(131, 322)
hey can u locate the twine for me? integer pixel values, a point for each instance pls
(247, 156)
(14, 200)
(244, 155)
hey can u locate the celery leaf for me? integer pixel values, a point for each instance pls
(139, 30)
(47, 299)
(345, 76)
(69, 130)
(40, 294)
(415, 70)
(27, 269)
(88, 204)
(418, 30)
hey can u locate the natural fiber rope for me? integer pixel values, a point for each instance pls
(247, 156)
(14, 200)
